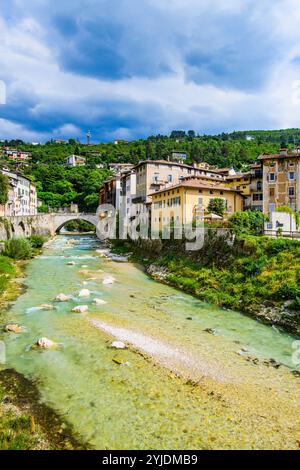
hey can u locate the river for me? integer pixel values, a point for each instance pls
(176, 386)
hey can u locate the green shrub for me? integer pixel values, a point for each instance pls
(37, 241)
(295, 305)
(288, 291)
(18, 248)
(247, 222)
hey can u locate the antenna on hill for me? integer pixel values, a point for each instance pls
(88, 138)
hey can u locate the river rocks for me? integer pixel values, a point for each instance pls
(45, 307)
(80, 309)
(272, 362)
(108, 281)
(119, 259)
(71, 263)
(13, 328)
(118, 361)
(211, 331)
(99, 302)
(157, 272)
(84, 266)
(62, 298)
(45, 343)
(84, 293)
(103, 253)
(118, 345)
(243, 352)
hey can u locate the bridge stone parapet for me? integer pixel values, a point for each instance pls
(40, 224)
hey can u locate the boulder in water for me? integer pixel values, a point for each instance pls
(62, 298)
(13, 328)
(80, 309)
(108, 281)
(71, 263)
(211, 331)
(84, 293)
(45, 343)
(118, 345)
(99, 302)
(45, 307)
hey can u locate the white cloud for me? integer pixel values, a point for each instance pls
(63, 103)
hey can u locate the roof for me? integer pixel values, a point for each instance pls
(76, 156)
(239, 175)
(278, 155)
(196, 185)
(165, 162)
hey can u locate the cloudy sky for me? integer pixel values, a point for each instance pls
(131, 68)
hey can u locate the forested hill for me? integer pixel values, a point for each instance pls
(58, 185)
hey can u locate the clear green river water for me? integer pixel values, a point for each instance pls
(121, 399)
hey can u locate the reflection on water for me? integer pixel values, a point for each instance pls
(117, 399)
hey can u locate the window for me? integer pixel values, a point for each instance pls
(292, 191)
(170, 178)
(259, 186)
(257, 197)
(158, 205)
(272, 177)
(200, 202)
(272, 192)
(291, 175)
(156, 177)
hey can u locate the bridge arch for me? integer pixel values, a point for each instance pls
(59, 220)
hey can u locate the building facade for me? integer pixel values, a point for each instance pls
(75, 160)
(180, 204)
(281, 180)
(22, 196)
(154, 175)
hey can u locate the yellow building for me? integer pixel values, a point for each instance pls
(179, 204)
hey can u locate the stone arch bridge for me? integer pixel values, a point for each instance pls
(40, 224)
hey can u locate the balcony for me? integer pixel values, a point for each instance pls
(138, 200)
(158, 182)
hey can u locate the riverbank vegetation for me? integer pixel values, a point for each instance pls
(238, 269)
(23, 248)
(251, 273)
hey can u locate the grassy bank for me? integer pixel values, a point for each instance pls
(256, 275)
(24, 422)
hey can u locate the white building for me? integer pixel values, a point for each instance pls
(75, 160)
(282, 223)
(22, 196)
(128, 193)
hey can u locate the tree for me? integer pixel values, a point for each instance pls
(247, 222)
(4, 188)
(216, 206)
(191, 134)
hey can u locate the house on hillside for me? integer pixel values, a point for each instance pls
(75, 160)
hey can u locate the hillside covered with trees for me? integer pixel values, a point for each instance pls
(59, 185)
